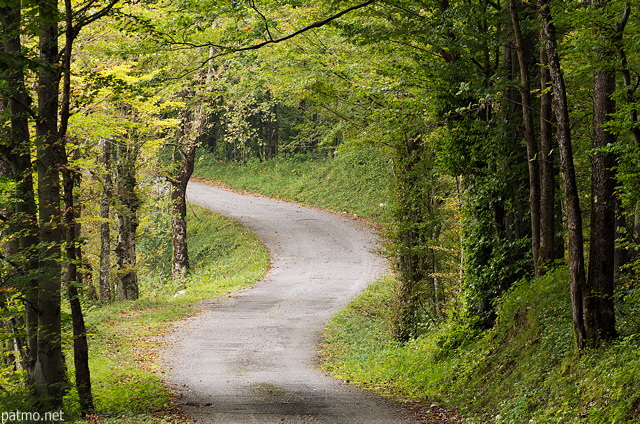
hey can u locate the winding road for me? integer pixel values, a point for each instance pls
(252, 357)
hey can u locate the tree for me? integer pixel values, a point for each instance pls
(49, 376)
(43, 289)
(127, 205)
(17, 150)
(530, 140)
(569, 185)
(187, 141)
(599, 305)
(73, 280)
(105, 226)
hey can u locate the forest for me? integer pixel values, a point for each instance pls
(506, 134)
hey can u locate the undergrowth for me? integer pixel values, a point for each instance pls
(525, 369)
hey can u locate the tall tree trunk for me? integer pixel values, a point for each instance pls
(417, 227)
(126, 221)
(188, 140)
(530, 139)
(18, 152)
(105, 226)
(599, 307)
(569, 185)
(410, 270)
(50, 370)
(71, 179)
(548, 243)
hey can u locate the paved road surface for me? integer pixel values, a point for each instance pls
(252, 357)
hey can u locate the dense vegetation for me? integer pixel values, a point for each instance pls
(509, 132)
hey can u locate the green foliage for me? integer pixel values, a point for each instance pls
(496, 252)
(14, 396)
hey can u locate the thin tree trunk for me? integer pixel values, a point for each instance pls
(191, 128)
(271, 129)
(630, 98)
(72, 279)
(181, 266)
(569, 185)
(105, 226)
(547, 170)
(71, 178)
(599, 307)
(530, 139)
(126, 222)
(629, 86)
(188, 140)
(18, 152)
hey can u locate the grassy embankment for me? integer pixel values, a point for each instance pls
(354, 182)
(523, 370)
(125, 337)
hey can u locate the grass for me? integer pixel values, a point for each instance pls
(524, 370)
(357, 182)
(125, 337)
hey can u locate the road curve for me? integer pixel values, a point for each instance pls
(252, 357)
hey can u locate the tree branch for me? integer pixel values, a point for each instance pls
(225, 50)
(316, 24)
(264, 18)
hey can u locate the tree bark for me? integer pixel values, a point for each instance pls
(191, 127)
(71, 179)
(181, 265)
(126, 221)
(105, 226)
(530, 139)
(548, 242)
(271, 130)
(409, 264)
(18, 153)
(630, 98)
(569, 185)
(599, 307)
(417, 228)
(50, 375)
